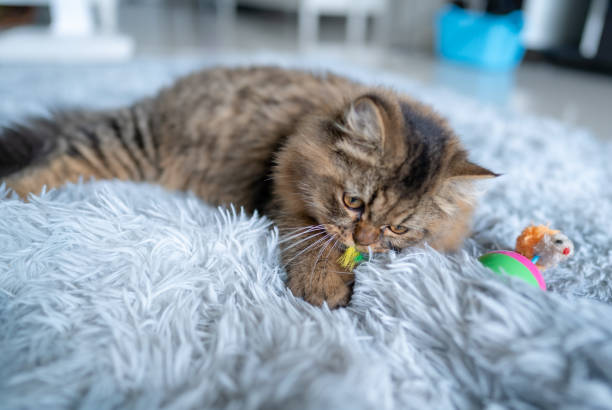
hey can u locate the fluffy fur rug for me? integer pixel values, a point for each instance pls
(122, 295)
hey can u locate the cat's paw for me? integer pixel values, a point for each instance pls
(337, 293)
(328, 287)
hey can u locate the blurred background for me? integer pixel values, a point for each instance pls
(542, 57)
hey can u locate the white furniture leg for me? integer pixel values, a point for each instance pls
(593, 28)
(108, 12)
(226, 20)
(308, 26)
(356, 27)
(71, 17)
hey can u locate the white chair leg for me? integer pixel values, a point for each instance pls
(382, 31)
(226, 9)
(308, 27)
(108, 13)
(71, 17)
(226, 20)
(356, 28)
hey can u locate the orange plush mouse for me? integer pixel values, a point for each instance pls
(544, 246)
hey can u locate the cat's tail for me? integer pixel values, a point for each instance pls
(71, 145)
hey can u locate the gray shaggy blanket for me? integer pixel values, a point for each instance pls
(118, 295)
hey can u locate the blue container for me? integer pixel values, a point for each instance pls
(484, 40)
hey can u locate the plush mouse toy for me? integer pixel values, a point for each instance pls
(544, 246)
(537, 248)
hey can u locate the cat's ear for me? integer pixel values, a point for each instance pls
(462, 168)
(365, 119)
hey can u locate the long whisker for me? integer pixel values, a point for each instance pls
(332, 248)
(298, 234)
(314, 266)
(297, 231)
(297, 228)
(306, 249)
(304, 239)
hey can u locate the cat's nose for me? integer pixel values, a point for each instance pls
(365, 234)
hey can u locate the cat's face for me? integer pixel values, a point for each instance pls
(382, 174)
(376, 216)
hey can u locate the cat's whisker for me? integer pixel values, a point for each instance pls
(314, 266)
(305, 239)
(332, 248)
(296, 235)
(306, 249)
(286, 238)
(309, 247)
(296, 228)
(301, 228)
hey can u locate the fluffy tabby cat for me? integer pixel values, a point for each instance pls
(332, 162)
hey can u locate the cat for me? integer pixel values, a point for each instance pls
(332, 162)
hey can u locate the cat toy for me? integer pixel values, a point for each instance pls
(350, 258)
(537, 248)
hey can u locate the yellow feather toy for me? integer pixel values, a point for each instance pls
(350, 258)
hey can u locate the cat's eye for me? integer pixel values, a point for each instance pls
(352, 202)
(398, 229)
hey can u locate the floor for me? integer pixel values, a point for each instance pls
(189, 28)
